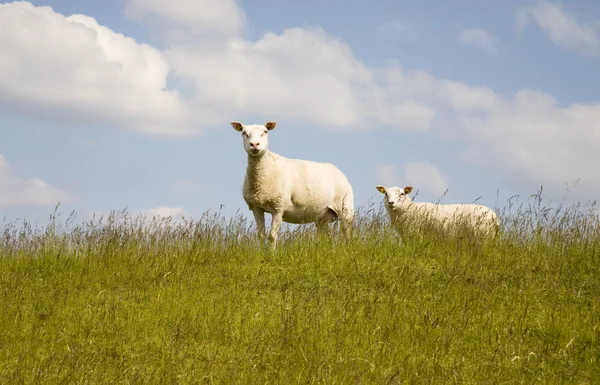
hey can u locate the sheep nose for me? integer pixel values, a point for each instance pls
(254, 145)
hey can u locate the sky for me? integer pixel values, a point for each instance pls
(114, 104)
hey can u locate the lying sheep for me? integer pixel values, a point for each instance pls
(402, 209)
(292, 190)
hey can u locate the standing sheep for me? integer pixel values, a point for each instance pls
(402, 209)
(292, 190)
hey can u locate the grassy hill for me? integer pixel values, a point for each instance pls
(128, 301)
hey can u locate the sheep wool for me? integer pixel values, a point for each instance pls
(402, 209)
(292, 190)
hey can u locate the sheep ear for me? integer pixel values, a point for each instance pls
(381, 189)
(270, 125)
(237, 126)
(408, 189)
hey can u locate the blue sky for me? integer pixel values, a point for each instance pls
(129, 105)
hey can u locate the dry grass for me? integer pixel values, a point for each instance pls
(126, 300)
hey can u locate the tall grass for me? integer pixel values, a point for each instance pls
(134, 300)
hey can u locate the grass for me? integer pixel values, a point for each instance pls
(124, 300)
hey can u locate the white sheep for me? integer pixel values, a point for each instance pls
(292, 190)
(403, 210)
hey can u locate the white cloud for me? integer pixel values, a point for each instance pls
(422, 175)
(522, 20)
(527, 139)
(481, 39)
(176, 214)
(304, 73)
(386, 175)
(72, 70)
(306, 69)
(179, 21)
(27, 192)
(165, 212)
(563, 28)
(532, 138)
(398, 31)
(91, 74)
(426, 178)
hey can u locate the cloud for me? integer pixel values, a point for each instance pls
(522, 20)
(531, 138)
(423, 176)
(426, 178)
(73, 70)
(562, 27)
(288, 75)
(481, 39)
(386, 175)
(526, 140)
(282, 75)
(165, 212)
(93, 75)
(179, 21)
(27, 192)
(400, 31)
(176, 214)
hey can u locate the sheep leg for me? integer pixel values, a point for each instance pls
(399, 238)
(398, 233)
(322, 228)
(347, 225)
(276, 219)
(259, 217)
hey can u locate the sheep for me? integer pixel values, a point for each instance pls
(401, 209)
(292, 190)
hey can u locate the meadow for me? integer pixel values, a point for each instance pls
(135, 300)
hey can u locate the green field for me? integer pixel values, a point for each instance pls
(127, 301)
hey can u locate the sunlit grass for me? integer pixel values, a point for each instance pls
(132, 300)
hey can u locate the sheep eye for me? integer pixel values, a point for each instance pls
(245, 134)
(264, 132)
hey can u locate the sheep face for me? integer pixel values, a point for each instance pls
(255, 136)
(395, 196)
